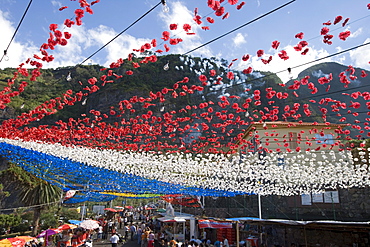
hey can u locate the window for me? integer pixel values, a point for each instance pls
(331, 197)
(326, 197)
(317, 198)
(324, 139)
(306, 199)
(253, 145)
(293, 144)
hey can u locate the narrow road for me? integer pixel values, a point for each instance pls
(106, 242)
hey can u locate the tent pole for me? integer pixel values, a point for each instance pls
(237, 234)
(305, 236)
(259, 206)
(83, 212)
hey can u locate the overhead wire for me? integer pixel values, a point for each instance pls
(233, 30)
(175, 35)
(106, 44)
(33, 206)
(328, 56)
(203, 44)
(289, 69)
(334, 92)
(300, 65)
(16, 30)
(245, 24)
(340, 27)
(115, 37)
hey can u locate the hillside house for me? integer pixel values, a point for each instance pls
(288, 138)
(292, 136)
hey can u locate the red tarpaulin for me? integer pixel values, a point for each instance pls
(214, 224)
(182, 200)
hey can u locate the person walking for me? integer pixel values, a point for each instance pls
(144, 238)
(138, 234)
(226, 242)
(126, 229)
(114, 239)
(100, 233)
(133, 231)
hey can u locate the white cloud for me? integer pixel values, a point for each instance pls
(281, 66)
(56, 3)
(82, 44)
(179, 14)
(72, 53)
(341, 58)
(120, 47)
(239, 39)
(361, 56)
(17, 52)
(319, 74)
(356, 33)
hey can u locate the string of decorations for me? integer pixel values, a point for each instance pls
(58, 170)
(181, 152)
(199, 175)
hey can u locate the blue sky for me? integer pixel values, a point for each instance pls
(112, 16)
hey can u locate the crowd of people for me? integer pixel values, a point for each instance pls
(116, 229)
(148, 232)
(67, 238)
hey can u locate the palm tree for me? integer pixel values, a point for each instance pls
(40, 196)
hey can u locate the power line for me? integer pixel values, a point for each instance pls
(300, 65)
(235, 29)
(33, 206)
(163, 2)
(340, 27)
(101, 48)
(334, 92)
(16, 30)
(319, 59)
(173, 36)
(332, 55)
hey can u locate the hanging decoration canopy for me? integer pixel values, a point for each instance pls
(200, 175)
(97, 178)
(132, 196)
(90, 196)
(162, 151)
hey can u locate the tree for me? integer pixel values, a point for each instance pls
(3, 193)
(40, 197)
(9, 220)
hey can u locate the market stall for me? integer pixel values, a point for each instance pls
(179, 225)
(224, 229)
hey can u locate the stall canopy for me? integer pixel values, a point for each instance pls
(176, 217)
(214, 224)
(317, 223)
(171, 219)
